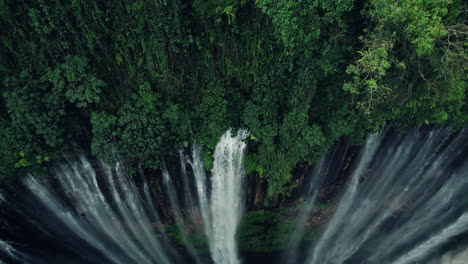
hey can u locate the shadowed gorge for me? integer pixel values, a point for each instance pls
(401, 201)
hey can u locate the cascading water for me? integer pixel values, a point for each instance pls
(405, 201)
(105, 216)
(8, 251)
(327, 169)
(178, 216)
(400, 199)
(453, 258)
(226, 197)
(117, 223)
(222, 209)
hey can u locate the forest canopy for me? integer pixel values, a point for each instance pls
(140, 79)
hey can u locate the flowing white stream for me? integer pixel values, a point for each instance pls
(125, 226)
(222, 207)
(226, 199)
(8, 250)
(327, 168)
(454, 258)
(404, 201)
(175, 207)
(108, 212)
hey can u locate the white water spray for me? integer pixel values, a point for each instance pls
(402, 203)
(122, 233)
(226, 199)
(223, 210)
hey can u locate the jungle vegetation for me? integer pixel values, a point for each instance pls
(139, 79)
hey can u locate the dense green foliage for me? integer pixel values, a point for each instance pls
(136, 79)
(259, 231)
(265, 231)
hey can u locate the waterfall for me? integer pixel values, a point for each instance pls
(453, 258)
(405, 199)
(107, 215)
(399, 199)
(117, 225)
(7, 251)
(201, 186)
(429, 245)
(223, 210)
(327, 169)
(175, 206)
(226, 197)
